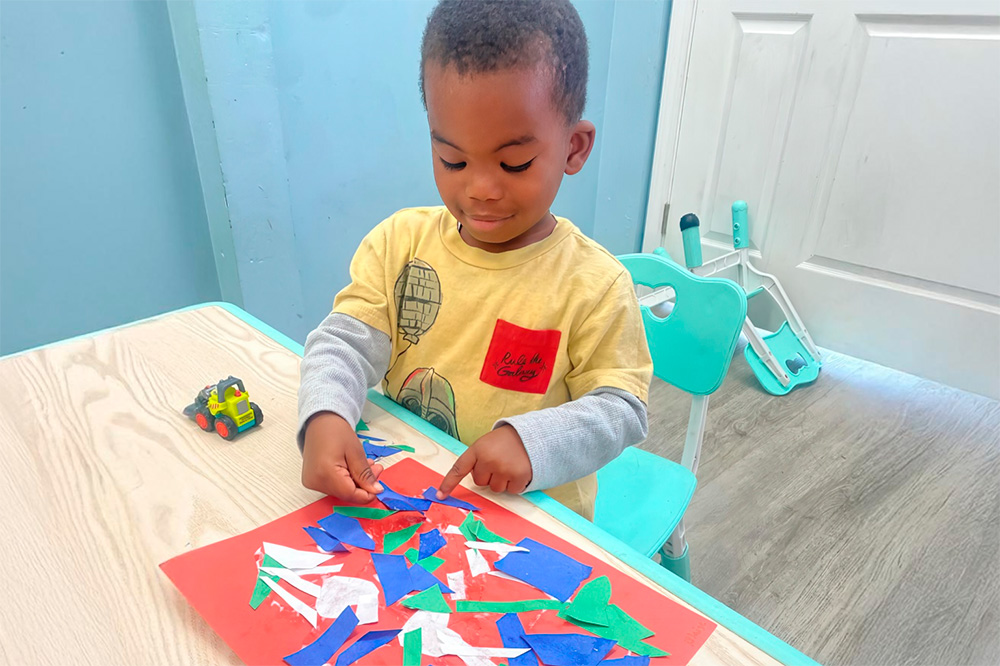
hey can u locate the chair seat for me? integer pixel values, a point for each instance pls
(641, 497)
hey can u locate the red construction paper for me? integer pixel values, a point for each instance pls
(217, 581)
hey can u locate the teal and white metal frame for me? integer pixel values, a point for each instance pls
(683, 590)
(752, 281)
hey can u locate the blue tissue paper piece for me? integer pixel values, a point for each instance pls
(394, 576)
(367, 644)
(546, 568)
(374, 451)
(323, 648)
(569, 649)
(430, 543)
(325, 541)
(431, 494)
(346, 529)
(512, 635)
(421, 579)
(394, 500)
(631, 660)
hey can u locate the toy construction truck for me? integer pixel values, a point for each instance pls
(226, 408)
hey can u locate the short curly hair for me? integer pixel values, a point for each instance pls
(478, 36)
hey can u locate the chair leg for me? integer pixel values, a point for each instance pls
(674, 554)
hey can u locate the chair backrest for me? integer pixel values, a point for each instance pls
(692, 346)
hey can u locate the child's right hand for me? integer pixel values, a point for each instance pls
(334, 462)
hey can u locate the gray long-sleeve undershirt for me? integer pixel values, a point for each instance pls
(344, 357)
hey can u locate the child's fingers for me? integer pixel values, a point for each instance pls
(361, 472)
(465, 463)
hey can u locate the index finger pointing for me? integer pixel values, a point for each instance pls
(458, 471)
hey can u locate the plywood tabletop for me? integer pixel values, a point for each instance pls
(103, 478)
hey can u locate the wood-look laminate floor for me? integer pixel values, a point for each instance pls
(857, 518)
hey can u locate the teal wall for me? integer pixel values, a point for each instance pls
(321, 134)
(102, 219)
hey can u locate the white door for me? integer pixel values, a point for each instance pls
(865, 137)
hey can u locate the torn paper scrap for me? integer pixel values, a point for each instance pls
(394, 500)
(452, 529)
(590, 604)
(393, 540)
(295, 559)
(421, 579)
(412, 647)
(319, 571)
(456, 581)
(347, 529)
(569, 649)
(325, 541)
(431, 494)
(293, 579)
(363, 512)
(323, 648)
(299, 606)
(547, 569)
(430, 599)
(365, 645)
(393, 575)
(439, 640)
(512, 636)
(430, 543)
(502, 548)
(477, 563)
(376, 451)
(508, 606)
(340, 592)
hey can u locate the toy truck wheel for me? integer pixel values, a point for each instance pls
(204, 419)
(258, 415)
(226, 427)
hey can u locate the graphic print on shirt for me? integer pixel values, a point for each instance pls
(520, 359)
(418, 299)
(430, 396)
(417, 294)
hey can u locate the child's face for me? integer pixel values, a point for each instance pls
(500, 148)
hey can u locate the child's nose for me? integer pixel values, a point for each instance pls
(483, 187)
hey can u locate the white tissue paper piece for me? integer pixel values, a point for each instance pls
(301, 607)
(295, 559)
(438, 640)
(502, 548)
(339, 592)
(477, 563)
(293, 579)
(456, 581)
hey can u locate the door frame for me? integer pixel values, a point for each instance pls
(668, 124)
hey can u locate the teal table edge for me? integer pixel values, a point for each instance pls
(713, 609)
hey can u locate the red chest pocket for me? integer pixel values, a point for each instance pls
(520, 359)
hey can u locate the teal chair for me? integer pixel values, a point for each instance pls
(642, 497)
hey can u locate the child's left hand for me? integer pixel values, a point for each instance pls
(497, 459)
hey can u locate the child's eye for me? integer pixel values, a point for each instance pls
(452, 166)
(517, 169)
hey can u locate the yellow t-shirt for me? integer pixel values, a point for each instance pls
(480, 336)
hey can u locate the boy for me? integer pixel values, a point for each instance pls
(491, 318)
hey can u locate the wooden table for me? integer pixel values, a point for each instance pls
(103, 478)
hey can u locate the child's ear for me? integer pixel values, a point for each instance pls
(581, 142)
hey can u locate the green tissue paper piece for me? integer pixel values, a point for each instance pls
(622, 628)
(429, 563)
(507, 606)
(466, 527)
(363, 512)
(261, 590)
(475, 530)
(394, 540)
(412, 648)
(590, 604)
(402, 447)
(362, 426)
(430, 599)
